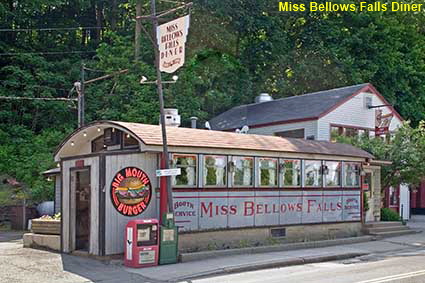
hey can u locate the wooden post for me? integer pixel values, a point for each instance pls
(161, 106)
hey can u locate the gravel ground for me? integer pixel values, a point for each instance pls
(18, 264)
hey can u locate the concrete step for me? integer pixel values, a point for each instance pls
(382, 224)
(385, 229)
(393, 233)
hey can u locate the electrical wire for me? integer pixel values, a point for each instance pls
(45, 29)
(37, 86)
(38, 98)
(46, 53)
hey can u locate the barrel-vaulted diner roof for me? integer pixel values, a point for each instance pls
(150, 135)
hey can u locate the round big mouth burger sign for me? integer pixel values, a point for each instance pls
(131, 191)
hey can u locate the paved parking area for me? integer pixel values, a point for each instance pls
(18, 264)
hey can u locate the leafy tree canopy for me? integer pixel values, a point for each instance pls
(236, 49)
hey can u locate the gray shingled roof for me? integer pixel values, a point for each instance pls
(310, 105)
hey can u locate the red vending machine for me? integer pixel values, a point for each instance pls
(141, 243)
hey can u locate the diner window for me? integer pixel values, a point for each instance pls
(187, 163)
(242, 169)
(129, 141)
(215, 170)
(267, 172)
(98, 144)
(351, 174)
(332, 173)
(291, 173)
(313, 173)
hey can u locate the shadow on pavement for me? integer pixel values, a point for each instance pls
(95, 270)
(6, 236)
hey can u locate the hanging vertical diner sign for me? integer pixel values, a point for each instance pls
(131, 191)
(171, 38)
(382, 122)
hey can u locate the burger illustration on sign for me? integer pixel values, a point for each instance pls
(131, 191)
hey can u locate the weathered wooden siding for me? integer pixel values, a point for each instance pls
(310, 128)
(58, 193)
(115, 222)
(354, 113)
(68, 202)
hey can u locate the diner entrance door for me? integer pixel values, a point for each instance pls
(82, 209)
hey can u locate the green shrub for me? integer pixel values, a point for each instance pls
(389, 215)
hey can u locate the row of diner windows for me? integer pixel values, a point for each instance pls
(244, 171)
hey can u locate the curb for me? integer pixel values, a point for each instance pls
(270, 264)
(186, 257)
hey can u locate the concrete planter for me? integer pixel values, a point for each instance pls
(40, 226)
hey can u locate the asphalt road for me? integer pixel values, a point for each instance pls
(406, 266)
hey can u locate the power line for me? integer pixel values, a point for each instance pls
(38, 98)
(45, 29)
(35, 86)
(46, 53)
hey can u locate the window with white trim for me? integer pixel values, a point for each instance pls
(187, 164)
(313, 173)
(215, 170)
(242, 171)
(267, 172)
(290, 172)
(351, 175)
(332, 173)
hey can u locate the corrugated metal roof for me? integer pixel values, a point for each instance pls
(188, 137)
(310, 105)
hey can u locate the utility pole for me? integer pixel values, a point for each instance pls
(81, 95)
(161, 106)
(138, 30)
(80, 88)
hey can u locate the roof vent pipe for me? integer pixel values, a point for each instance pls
(263, 97)
(193, 122)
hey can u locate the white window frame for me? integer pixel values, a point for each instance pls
(231, 174)
(196, 168)
(282, 177)
(258, 169)
(226, 160)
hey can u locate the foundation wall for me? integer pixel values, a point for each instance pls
(240, 238)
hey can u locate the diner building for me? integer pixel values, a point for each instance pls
(232, 187)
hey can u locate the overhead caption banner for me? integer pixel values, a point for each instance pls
(171, 38)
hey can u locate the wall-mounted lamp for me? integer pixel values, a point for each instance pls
(98, 129)
(85, 134)
(72, 143)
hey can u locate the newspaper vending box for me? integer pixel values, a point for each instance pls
(141, 243)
